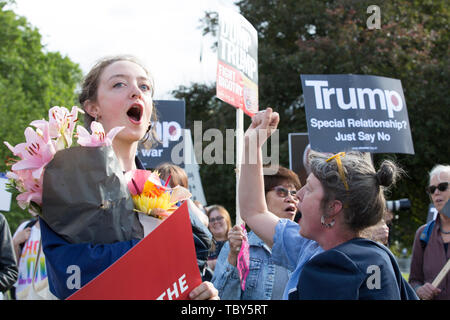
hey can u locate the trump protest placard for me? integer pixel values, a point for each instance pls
(162, 266)
(237, 65)
(356, 112)
(169, 129)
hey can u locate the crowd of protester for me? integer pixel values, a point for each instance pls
(336, 250)
(269, 272)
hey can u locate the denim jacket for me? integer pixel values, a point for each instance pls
(260, 279)
(292, 251)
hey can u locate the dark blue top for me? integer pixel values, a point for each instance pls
(359, 269)
(65, 261)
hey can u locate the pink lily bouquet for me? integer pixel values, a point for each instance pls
(40, 146)
(79, 191)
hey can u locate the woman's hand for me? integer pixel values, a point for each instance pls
(205, 291)
(22, 236)
(235, 237)
(427, 291)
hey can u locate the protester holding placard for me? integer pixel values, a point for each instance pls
(117, 92)
(431, 244)
(265, 281)
(342, 196)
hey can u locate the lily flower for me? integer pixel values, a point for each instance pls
(151, 197)
(62, 124)
(98, 138)
(30, 189)
(35, 153)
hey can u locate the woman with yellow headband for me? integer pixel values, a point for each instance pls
(342, 196)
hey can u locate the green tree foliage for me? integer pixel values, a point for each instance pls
(332, 37)
(32, 80)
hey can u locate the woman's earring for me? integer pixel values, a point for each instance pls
(327, 225)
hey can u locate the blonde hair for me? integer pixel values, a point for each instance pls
(223, 212)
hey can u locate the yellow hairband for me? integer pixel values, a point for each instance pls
(337, 157)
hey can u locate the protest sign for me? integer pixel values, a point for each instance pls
(298, 152)
(356, 112)
(171, 122)
(161, 266)
(237, 65)
(192, 169)
(237, 75)
(183, 155)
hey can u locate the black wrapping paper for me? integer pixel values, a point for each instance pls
(86, 199)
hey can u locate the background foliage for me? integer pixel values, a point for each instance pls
(32, 81)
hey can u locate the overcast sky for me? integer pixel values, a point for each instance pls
(164, 34)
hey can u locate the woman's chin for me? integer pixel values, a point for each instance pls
(130, 136)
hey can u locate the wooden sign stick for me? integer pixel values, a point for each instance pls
(437, 281)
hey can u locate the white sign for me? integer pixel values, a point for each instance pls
(192, 169)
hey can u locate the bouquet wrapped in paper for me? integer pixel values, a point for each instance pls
(85, 197)
(80, 192)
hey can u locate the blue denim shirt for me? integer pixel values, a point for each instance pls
(260, 279)
(292, 251)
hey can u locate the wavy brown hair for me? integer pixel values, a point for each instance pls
(89, 89)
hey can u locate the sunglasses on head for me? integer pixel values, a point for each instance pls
(441, 187)
(283, 192)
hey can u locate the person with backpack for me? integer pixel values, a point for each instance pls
(430, 248)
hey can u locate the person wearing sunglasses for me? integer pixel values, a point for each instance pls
(265, 281)
(343, 195)
(429, 257)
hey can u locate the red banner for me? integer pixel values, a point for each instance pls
(161, 266)
(236, 89)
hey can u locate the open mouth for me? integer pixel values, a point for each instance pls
(291, 209)
(135, 113)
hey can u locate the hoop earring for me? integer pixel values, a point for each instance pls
(327, 225)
